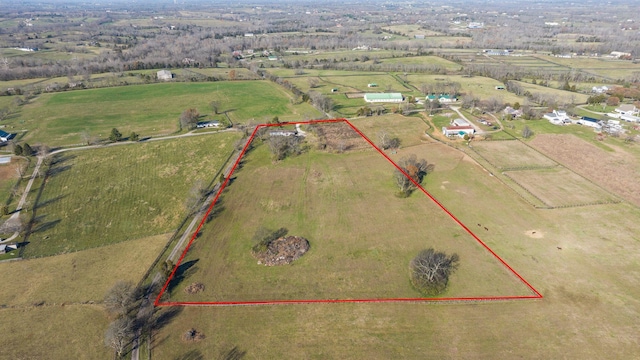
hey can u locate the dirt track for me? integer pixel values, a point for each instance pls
(615, 171)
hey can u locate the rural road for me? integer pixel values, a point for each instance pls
(23, 199)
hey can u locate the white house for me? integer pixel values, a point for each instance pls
(557, 117)
(630, 118)
(383, 97)
(600, 89)
(459, 131)
(164, 75)
(627, 109)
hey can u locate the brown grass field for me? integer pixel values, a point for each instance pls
(54, 332)
(560, 187)
(616, 171)
(511, 154)
(581, 259)
(78, 277)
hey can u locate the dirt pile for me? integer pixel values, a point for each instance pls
(192, 335)
(283, 251)
(194, 288)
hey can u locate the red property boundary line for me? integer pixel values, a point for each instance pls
(158, 302)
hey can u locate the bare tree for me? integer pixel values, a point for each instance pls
(197, 191)
(430, 270)
(189, 118)
(120, 297)
(526, 132)
(119, 334)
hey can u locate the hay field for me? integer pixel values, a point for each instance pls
(511, 154)
(78, 277)
(560, 187)
(95, 197)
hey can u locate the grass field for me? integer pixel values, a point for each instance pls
(54, 332)
(9, 177)
(95, 198)
(581, 259)
(481, 87)
(511, 154)
(79, 277)
(60, 118)
(362, 236)
(559, 95)
(560, 187)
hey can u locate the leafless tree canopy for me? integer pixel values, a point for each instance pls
(413, 171)
(119, 334)
(430, 270)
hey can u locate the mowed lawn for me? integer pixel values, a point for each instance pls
(362, 236)
(61, 118)
(583, 260)
(103, 196)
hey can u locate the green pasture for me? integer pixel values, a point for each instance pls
(410, 130)
(559, 95)
(423, 60)
(481, 87)
(555, 256)
(108, 195)
(61, 118)
(362, 236)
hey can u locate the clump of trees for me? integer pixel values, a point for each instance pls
(430, 271)
(411, 173)
(387, 141)
(283, 146)
(120, 301)
(189, 119)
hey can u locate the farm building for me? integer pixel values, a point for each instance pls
(600, 89)
(372, 85)
(459, 131)
(5, 136)
(630, 118)
(460, 122)
(443, 98)
(591, 122)
(383, 97)
(164, 75)
(557, 117)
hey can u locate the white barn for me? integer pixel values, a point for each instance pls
(164, 75)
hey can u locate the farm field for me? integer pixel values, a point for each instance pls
(93, 198)
(481, 87)
(54, 332)
(9, 177)
(79, 277)
(511, 154)
(60, 118)
(559, 95)
(586, 312)
(560, 187)
(424, 60)
(345, 205)
(616, 170)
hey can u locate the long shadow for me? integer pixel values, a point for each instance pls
(55, 170)
(50, 201)
(184, 270)
(46, 226)
(233, 354)
(191, 355)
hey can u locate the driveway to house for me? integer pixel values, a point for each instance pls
(457, 110)
(15, 217)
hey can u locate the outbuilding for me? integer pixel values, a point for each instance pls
(383, 97)
(164, 75)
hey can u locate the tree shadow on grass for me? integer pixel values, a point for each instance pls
(50, 201)
(191, 355)
(233, 354)
(183, 272)
(162, 317)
